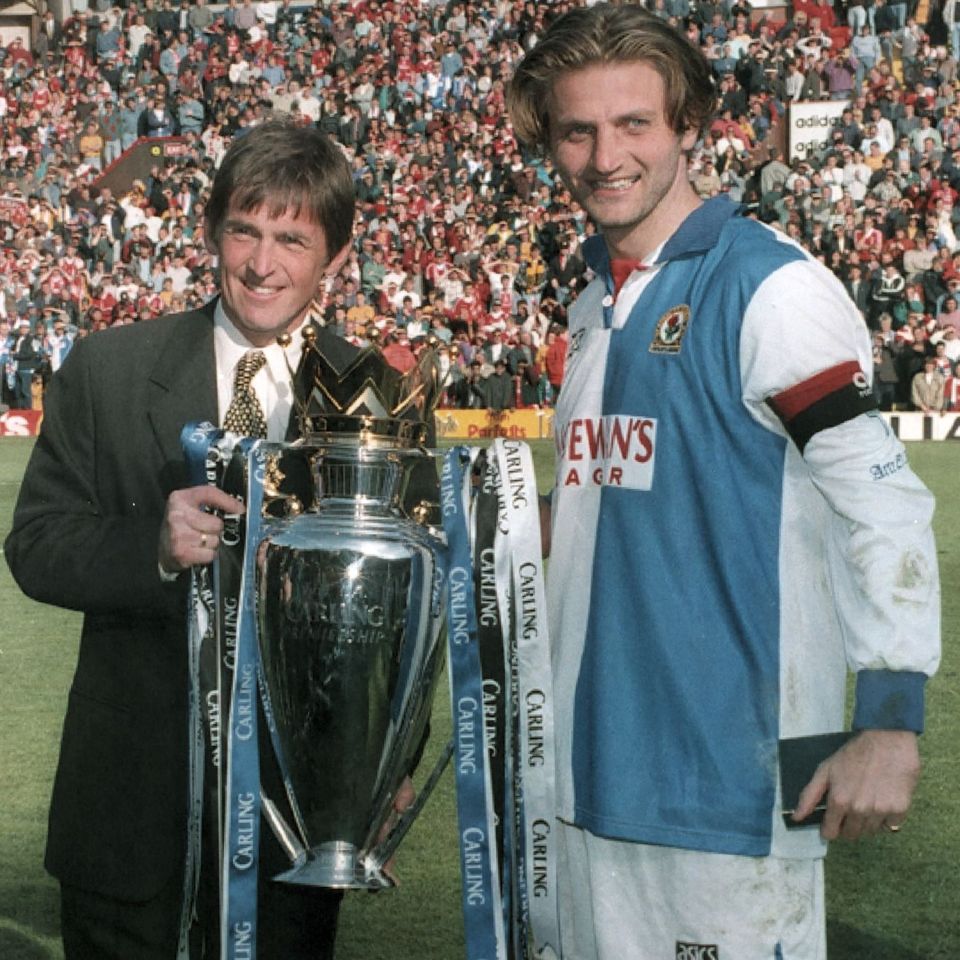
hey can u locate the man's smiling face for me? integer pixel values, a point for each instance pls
(271, 268)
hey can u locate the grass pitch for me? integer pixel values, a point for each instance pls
(890, 898)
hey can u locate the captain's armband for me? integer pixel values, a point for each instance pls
(826, 400)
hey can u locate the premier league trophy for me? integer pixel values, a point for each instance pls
(328, 595)
(349, 611)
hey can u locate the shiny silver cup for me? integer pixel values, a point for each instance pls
(349, 622)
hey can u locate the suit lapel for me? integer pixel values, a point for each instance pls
(183, 387)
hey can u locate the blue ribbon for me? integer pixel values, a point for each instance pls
(197, 441)
(483, 920)
(239, 914)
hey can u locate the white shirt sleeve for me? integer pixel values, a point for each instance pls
(880, 554)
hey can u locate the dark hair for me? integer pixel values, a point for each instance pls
(606, 33)
(289, 168)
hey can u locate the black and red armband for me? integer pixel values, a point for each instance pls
(826, 400)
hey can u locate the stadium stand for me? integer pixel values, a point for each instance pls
(114, 120)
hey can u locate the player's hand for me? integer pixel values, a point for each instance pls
(191, 532)
(404, 797)
(869, 784)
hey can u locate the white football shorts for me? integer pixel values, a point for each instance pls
(631, 901)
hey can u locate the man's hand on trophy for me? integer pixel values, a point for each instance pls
(404, 798)
(192, 526)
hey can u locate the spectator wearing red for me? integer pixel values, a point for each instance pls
(555, 358)
(397, 352)
(469, 312)
(868, 240)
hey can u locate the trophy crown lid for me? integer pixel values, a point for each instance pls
(366, 398)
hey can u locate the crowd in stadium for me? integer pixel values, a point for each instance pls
(459, 234)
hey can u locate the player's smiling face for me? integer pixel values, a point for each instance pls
(270, 270)
(613, 146)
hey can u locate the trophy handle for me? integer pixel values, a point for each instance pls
(286, 837)
(383, 851)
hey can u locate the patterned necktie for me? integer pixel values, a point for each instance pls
(245, 415)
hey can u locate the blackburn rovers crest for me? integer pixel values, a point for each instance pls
(670, 330)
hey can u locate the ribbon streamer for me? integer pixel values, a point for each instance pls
(534, 696)
(483, 921)
(238, 933)
(514, 679)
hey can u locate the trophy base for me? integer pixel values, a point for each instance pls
(338, 866)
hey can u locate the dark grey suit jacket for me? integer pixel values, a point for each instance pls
(85, 536)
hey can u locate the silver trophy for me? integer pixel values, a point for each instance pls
(349, 614)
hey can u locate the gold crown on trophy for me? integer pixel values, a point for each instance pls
(368, 398)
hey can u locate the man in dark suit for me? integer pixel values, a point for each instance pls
(859, 289)
(105, 524)
(49, 37)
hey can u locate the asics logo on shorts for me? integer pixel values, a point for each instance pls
(697, 951)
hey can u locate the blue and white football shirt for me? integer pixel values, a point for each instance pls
(734, 526)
